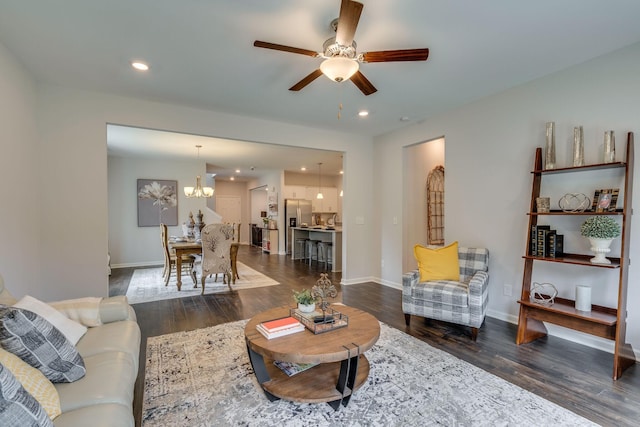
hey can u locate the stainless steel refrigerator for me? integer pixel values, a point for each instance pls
(296, 212)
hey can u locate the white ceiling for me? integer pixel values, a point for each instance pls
(202, 54)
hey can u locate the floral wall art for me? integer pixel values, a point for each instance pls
(157, 202)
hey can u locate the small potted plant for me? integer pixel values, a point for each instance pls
(306, 301)
(600, 230)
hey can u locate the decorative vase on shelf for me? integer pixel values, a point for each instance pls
(306, 308)
(550, 146)
(609, 147)
(578, 146)
(600, 247)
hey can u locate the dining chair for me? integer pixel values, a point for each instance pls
(216, 252)
(170, 259)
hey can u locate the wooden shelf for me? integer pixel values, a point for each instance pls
(585, 168)
(601, 321)
(558, 212)
(577, 259)
(315, 385)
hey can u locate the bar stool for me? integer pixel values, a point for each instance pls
(311, 246)
(301, 242)
(325, 253)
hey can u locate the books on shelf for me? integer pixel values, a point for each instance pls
(279, 327)
(546, 242)
(291, 368)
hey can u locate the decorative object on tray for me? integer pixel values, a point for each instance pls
(543, 293)
(600, 230)
(578, 146)
(543, 204)
(280, 327)
(306, 301)
(319, 322)
(324, 289)
(605, 200)
(609, 147)
(550, 146)
(574, 202)
(583, 298)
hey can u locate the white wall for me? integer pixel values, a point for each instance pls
(130, 245)
(72, 126)
(489, 155)
(20, 207)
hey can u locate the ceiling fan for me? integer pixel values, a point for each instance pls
(341, 60)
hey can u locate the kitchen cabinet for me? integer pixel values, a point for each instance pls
(328, 204)
(295, 192)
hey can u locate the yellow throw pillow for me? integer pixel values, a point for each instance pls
(34, 381)
(438, 264)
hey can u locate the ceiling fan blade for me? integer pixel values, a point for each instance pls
(396, 55)
(348, 21)
(363, 83)
(302, 83)
(284, 48)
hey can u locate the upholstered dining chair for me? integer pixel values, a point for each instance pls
(462, 299)
(216, 252)
(170, 259)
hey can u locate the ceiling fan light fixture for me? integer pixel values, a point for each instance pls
(339, 68)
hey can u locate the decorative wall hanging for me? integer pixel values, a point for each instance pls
(157, 202)
(435, 206)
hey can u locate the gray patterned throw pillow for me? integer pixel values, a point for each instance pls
(17, 406)
(40, 344)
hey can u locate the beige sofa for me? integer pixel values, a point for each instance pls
(104, 396)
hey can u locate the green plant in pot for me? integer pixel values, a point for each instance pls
(600, 230)
(306, 301)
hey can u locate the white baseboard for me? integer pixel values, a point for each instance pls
(138, 264)
(556, 331)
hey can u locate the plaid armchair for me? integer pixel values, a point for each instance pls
(463, 302)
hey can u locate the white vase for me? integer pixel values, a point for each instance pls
(306, 308)
(600, 247)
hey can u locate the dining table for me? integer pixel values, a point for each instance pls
(194, 247)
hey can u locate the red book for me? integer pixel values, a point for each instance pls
(280, 324)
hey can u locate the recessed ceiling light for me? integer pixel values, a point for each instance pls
(237, 170)
(232, 178)
(140, 66)
(341, 172)
(303, 168)
(404, 119)
(363, 113)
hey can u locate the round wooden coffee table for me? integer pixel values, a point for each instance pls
(342, 367)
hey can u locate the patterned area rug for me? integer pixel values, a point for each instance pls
(204, 378)
(147, 284)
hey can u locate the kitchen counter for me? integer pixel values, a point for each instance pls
(319, 233)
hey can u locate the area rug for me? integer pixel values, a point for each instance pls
(147, 284)
(204, 378)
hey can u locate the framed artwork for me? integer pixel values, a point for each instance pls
(157, 202)
(605, 200)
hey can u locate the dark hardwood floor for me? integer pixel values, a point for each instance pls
(571, 375)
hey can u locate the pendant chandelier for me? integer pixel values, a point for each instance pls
(198, 190)
(319, 195)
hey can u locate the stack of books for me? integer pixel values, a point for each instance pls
(546, 242)
(280, 327)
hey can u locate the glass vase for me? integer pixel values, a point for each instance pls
(578, 146)
(550, 146)
(609, 147)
